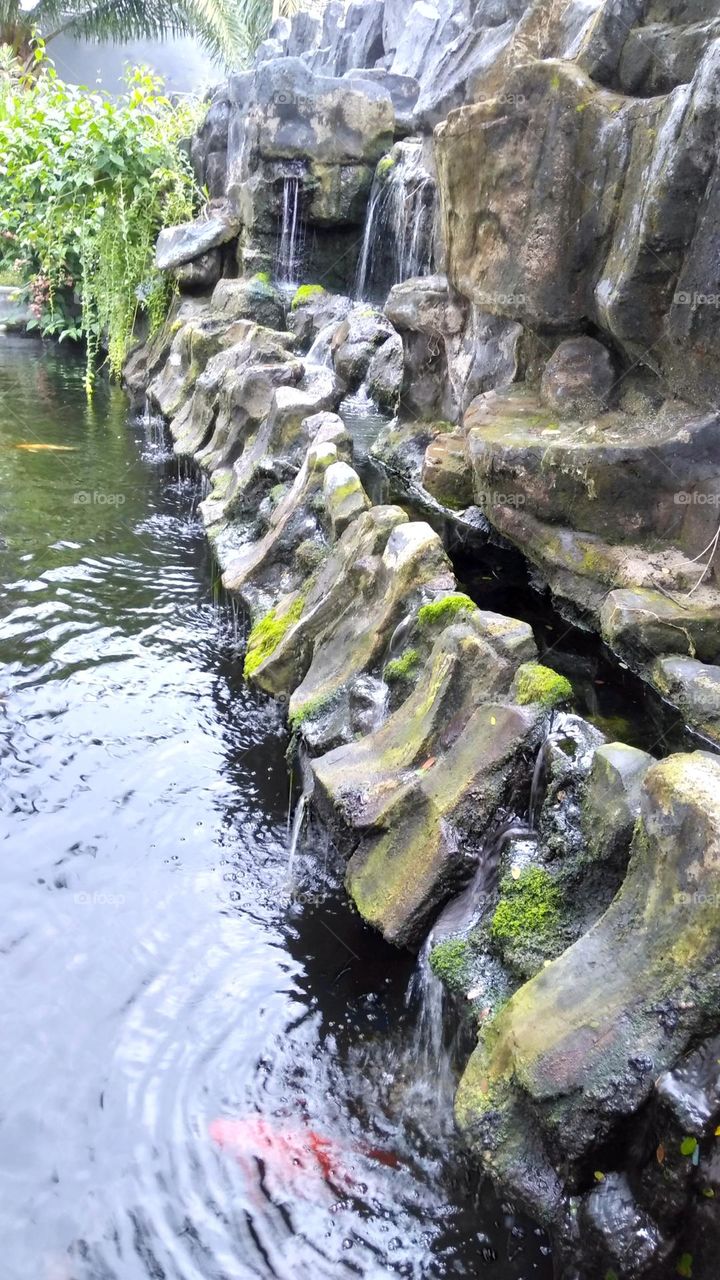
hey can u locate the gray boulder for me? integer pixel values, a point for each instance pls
(178, 245)
(578, 378)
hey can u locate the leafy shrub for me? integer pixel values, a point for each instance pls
(87, 182)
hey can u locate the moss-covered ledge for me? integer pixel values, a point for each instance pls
(579, 1047)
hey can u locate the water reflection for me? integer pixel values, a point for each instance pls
(155, 977)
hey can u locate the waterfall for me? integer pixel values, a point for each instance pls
(292, 235)
(426, 991)
(297, 826)
(372, 219)
(321, 349)
(398, 240)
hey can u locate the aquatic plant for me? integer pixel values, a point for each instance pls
(88, 181)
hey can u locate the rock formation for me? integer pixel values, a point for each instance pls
(492, 223)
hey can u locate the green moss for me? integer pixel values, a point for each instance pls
(262, 277)
(449, 961)
(345, 491)
(401, 668)
(385, 166)
(529, 907)
(310, 555)
(310, 709)
(536, 683)
(444, 609)
(277, 493)
(267, 634)
(306, 293)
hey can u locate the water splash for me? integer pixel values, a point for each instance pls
(153, 425)
(291, 246)
(398, 242)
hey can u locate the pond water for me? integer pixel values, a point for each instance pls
(206, 1073)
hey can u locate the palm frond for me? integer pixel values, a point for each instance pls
(217, 24)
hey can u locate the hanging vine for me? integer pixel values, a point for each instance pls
(86, 183)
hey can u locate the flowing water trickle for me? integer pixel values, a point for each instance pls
(291, 245)
(427, 993)
(199, 1080)
(399, 235)
(320, 352)
(296, 832)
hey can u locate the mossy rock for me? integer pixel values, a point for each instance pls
(526, 928)
(306, 293)
(446, 609)
(310, 711)
(385, 166)
(580, 1047)
(537, 683)
(310, 555)
(267, 634)
(450, 961)
(402, 668)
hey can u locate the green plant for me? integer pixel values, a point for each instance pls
(529, 906)
(537, 683)
(267, 634)
(385, 166)
(449, 961)
(87, 183)
(306, 293)
(220, 25)
(403, 667)
(445, 609)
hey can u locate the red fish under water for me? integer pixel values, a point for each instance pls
(295, 1161)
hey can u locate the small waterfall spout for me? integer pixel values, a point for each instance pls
(426, 991)
(295, 833)
(399, 236)
(292, 235)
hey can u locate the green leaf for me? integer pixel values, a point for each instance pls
(688, 1146)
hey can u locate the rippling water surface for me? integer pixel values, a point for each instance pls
(202, 1077)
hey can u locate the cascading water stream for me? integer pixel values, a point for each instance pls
(295, 833)
(435, 1076)
(398, 241)
(292, 235)
(426, 990)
